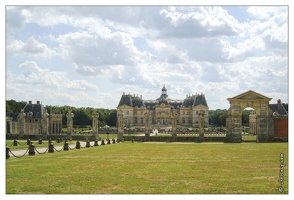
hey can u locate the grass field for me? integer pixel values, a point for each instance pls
(152, 168)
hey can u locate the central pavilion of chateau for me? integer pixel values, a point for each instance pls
(134, 107)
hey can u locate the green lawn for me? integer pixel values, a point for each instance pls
(152, 168)
(248, 137)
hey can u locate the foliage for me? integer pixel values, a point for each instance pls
(285, 106)
(13, 106)
(152, 168)
(245, 116)
(83, 116)
(217, 117)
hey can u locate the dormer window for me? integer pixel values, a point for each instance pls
(30, 114)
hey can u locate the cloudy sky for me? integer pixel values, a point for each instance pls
(87, 56)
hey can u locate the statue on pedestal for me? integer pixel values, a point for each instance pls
(147, 123)
(120, 125)
(95, 127)
(69, 117)
(174, 118)
(21, 119)
(201, 125)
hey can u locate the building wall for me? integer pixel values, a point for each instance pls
(161, 115)
(281, 127)
(34, 126)
(195, 117)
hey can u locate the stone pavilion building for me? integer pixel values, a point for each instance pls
(134, 107)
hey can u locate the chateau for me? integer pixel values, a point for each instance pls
(33, 119)
(134, 108)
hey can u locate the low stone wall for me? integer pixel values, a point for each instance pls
(136, 138)
(173, 139)
(280, 139)
(11, 136)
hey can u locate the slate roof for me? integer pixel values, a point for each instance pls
(35, 109)
(126, 99)
(278, 108)
(137, 101)
(200, 99)
(189, 101)
(150, 105)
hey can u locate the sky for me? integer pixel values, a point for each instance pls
(88, 56)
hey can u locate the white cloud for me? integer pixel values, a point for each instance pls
(265, 12)
(30, 48)
(93, 54)
(37, 77)
(199, 22)
(14, 19)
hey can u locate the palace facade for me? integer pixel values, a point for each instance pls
(33, 120)
(134, 107)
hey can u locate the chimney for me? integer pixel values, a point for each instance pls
(38, 102)
(279, 102)
(30, 102)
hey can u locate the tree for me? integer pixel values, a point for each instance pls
(217, 117)
(13, 106)
(245, 117)
(285, 106)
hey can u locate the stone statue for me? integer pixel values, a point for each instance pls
(21, 119)
(21, 116)
(120, 125)
(174, 118)
(45, 122)
(69, 116)
(201, 125)
(95, 127)
(201, 119)
(147, 122)
(120, 120)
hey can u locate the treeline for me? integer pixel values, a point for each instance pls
(13, 106)
(218, 117)
(82, 116)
